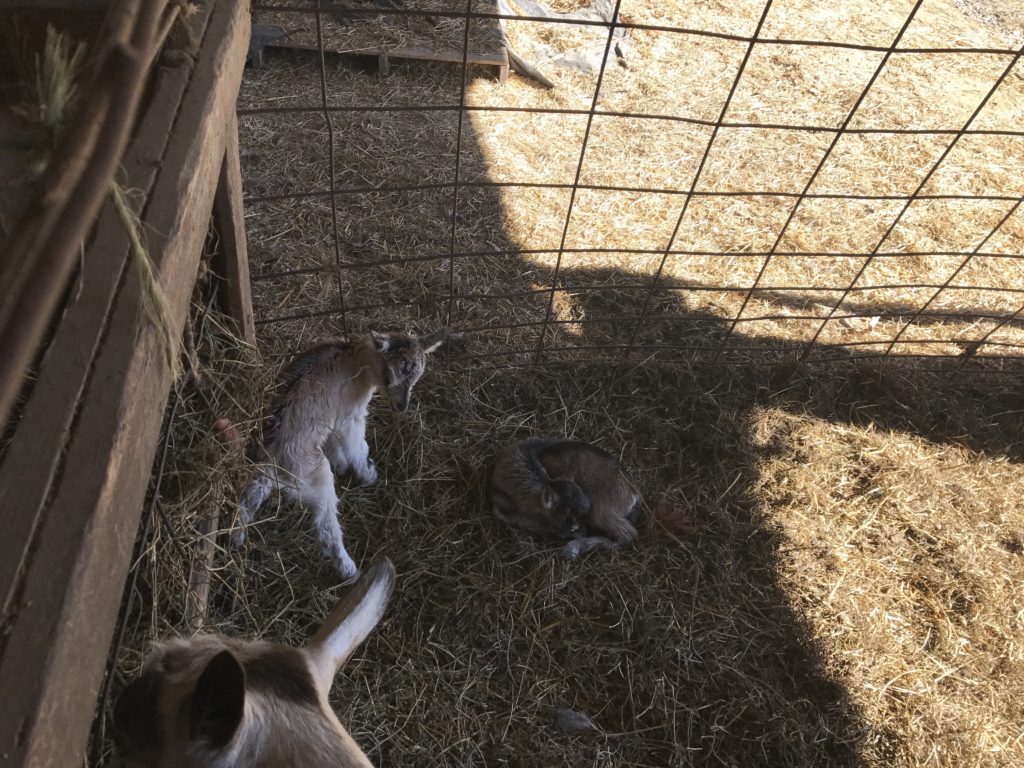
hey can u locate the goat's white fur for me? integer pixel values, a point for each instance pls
(341, 633)
(320, 428)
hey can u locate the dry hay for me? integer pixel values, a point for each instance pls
(826, 572)
(670, 74)
(906, 559)
(371, 33)
(690, 76)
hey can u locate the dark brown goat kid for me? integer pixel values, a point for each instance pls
(565, 489)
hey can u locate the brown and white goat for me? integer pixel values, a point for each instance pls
(214, 701)
(317, 423)
(566, 489)
(523, 495)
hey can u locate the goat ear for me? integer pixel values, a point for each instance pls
(380, 341)
(434, 340)
(351, 622)
(586, 505)
(218, 701)
(547, 497)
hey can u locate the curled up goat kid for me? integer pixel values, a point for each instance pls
(316, 426)
(565, 489)
(218, 702)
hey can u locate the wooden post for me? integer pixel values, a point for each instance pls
(199, 574)
(232, 261)
(503, 68)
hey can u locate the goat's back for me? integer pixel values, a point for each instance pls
(613, 495)
(308, 394)
(515, 487)
(516, 468)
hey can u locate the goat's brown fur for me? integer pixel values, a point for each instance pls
(591, 486)
(217, 701)
(522, 494)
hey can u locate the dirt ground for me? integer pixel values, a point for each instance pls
(830, 557)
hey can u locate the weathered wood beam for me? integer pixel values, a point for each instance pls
(49, 414)
(42, 249)
(66, 597)
(232, 263)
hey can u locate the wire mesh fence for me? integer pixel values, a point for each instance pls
(365, 198)
(927, 265)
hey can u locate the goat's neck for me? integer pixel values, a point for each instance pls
(369, 373)
(279, 736)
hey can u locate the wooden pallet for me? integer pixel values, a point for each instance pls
(414, 53)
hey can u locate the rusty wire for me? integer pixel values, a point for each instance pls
(899, 216)
(821, 164)
(321, 64)
(696, 178)
(484, 15)
(576, 181)
(458, 162)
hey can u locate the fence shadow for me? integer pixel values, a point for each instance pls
(717, 463)
(736, 553)
(937, 400)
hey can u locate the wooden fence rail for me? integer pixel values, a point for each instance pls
(74, 479)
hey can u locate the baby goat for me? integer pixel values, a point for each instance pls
(317, 422)
(523, 495)
(216, 701)
(565, 489)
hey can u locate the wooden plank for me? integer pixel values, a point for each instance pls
(54, 656)
(45, 243)
(37, 445)
(62, 5)
(232, 262)
(198, 597)
(503, 70)
(450, 55)
(16, 132)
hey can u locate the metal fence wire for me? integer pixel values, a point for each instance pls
(986, 347)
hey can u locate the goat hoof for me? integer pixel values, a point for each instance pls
(571, 551)
(369, 475)
(346, 568)
(344, 564)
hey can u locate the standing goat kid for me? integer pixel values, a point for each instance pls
(216, 702)
(317, 422)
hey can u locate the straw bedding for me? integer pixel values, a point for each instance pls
(829, 558)
(369, 33)
(826, 574)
